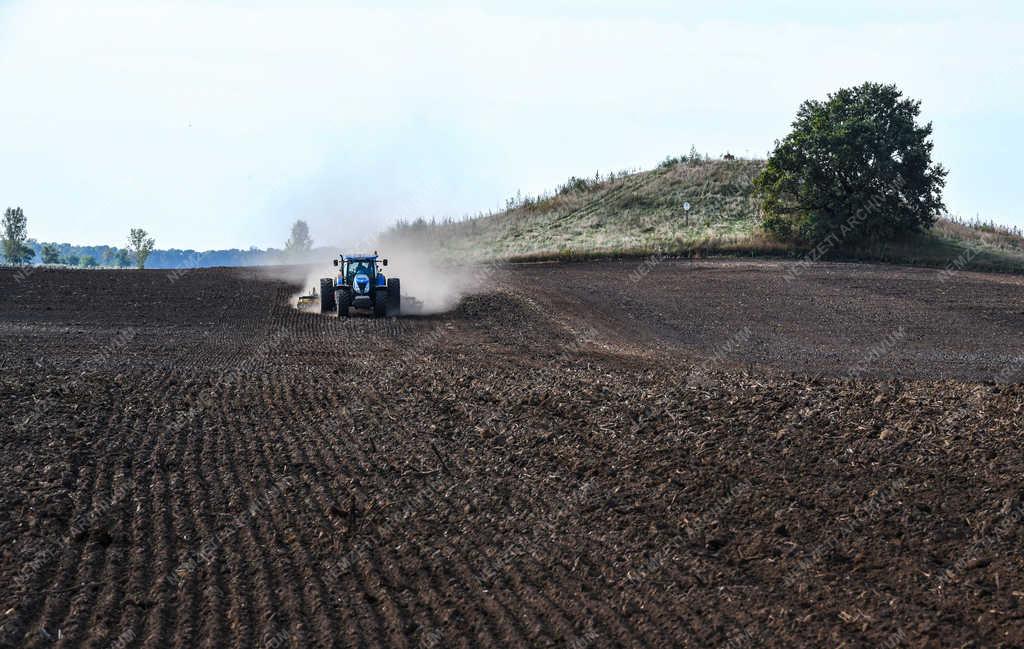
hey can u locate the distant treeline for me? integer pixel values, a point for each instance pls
(174, 258)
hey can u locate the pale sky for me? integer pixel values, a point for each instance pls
(217, 124)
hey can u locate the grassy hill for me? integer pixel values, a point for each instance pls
(642, 213)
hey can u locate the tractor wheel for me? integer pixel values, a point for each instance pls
(342, 300)
(394, 303)
(326, 295)
(380, 300)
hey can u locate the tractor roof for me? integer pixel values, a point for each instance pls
(359, 257)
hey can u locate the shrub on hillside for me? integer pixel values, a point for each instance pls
(694, 157)
(574, 184)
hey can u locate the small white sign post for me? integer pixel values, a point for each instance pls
(686, 213)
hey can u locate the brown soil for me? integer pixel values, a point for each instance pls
(707, 455)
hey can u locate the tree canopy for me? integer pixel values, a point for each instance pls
(140, 244)
(50, 254)
(300, 240)
(856, 167)
(15, 226)
(123, 258)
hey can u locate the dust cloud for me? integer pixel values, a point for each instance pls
(431, 283)
(435, 283)
(302, 270)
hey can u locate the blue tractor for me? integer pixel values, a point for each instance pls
(361, 285)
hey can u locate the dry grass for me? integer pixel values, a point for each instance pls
(978, 232)
(641, 214)
(639, 211)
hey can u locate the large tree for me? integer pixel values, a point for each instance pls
(140, 244)
(300, 240)
(857, 167)
(15, 226)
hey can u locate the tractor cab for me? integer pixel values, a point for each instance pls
(361, 272)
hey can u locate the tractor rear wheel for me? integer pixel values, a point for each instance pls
(380, 300)
(326, 295)
(342, 300)
(394, 302)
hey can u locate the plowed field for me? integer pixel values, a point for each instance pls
(592, 455)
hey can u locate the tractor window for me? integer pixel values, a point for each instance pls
(359, 267)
